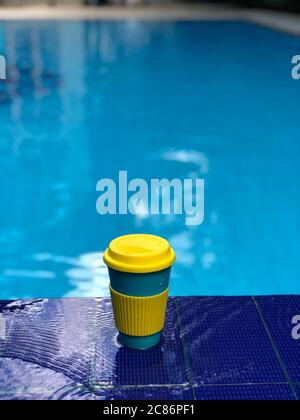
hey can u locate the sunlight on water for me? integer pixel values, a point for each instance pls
(148, 98)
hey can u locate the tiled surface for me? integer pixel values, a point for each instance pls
(212, 348)
(115, 365)
(66, 393)
(3, 304)
(278, 313)
(53, 337)
(147, 393)
(226, 342)
(245, 392)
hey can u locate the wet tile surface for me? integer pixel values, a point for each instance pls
(51, 338)
(64, 394)
(147, 393)
(245, 392)
(212, 348)
(116, 365)
(226, 343)
(279, 313)
(4, 304)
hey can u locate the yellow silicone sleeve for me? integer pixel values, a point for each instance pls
(139, 316)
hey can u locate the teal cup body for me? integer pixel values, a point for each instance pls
(139, 285)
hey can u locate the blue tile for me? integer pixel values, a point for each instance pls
(50, 348)
(278, 312)
(65, 394)
(20, 377)
(147, 393)
(226, 343)
(297, 387)
(245, 392)
(4, 304)
(51, 344)
(116, 365)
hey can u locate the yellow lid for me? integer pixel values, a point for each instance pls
(139, 254)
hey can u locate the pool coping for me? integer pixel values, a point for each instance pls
(282, 21)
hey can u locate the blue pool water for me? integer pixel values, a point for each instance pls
(84, 100)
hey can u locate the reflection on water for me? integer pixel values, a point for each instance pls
(87, 275)
(208, 259)
(29, 274)
(84, 100)
(90, 277)
(184, 244)
(189, 156)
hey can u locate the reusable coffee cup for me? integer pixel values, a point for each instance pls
(139, 269)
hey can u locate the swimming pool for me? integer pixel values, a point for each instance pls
(84, 100)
